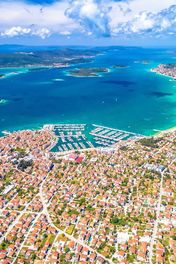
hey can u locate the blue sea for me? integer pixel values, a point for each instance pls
(133, 98)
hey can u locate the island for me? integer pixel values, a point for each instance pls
(41, 60)
(120, 66)
(87, 72)
(166, 70)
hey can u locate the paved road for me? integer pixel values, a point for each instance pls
(25, 237)
(155, 229)
(45, 211)
(15, 222)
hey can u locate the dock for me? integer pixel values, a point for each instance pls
(72, 137)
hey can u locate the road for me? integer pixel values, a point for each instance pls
(155, 229)
(45, 211)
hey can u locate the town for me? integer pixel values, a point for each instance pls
(166, 69)
(114, 204)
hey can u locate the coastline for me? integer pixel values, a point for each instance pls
(156, 133)
(162, 74)
(165, 70)
(91, 75)
(26, 69)
(147, 130)
(111, 148)
(166, 131)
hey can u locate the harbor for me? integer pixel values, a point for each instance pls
(72, 137)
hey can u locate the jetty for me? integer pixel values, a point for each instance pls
(107, 136)
(72, 137)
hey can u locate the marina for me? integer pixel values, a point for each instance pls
(72, 137)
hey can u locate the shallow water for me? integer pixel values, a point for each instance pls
(131, 98)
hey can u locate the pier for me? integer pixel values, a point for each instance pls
(72, 137)
(105, 136)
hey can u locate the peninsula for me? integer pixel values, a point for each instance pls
(166, 69)
(47, 58)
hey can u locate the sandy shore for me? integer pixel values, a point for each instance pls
(163, 132)
(162, 74)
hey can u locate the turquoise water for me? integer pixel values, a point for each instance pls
(132, 98)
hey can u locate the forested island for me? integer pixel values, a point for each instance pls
(120, 66)
(88, 72)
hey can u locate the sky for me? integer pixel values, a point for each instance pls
(88, 22)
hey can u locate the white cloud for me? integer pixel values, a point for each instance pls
(42, 32)
(142, 22)
(42, 20)
(90, 17)
(162, 23)
(18, 31)
(91, 14)
(65, 33)
(124, 12)
(109, 18)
